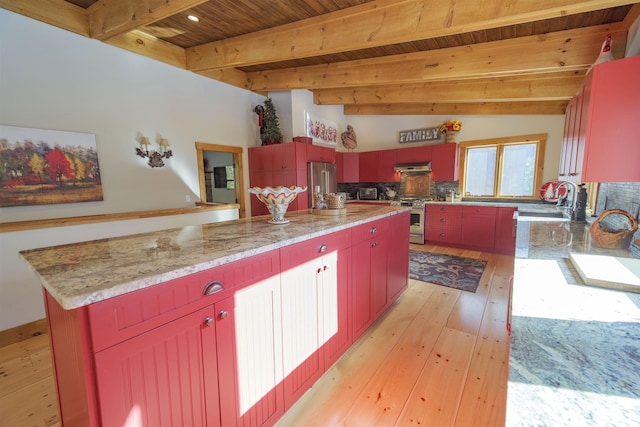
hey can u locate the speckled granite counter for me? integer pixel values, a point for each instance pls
(82, 273)
(575, 350)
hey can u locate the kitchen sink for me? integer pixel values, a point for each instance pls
(540, 214)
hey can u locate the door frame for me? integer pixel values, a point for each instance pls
(238, 172)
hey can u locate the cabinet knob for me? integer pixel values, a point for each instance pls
(443, 220)
(208, 321)
(441, 234)
(223, 314)
(373, 229)
(322, 248)
(374, 244)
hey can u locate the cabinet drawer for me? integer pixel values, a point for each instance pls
(472, 211)
(453, 209)
(370, 229)
(117, 319)
(443, 234)
(444, 220)
(294, 255)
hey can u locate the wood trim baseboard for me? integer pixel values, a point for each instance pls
(78, 220)
(22, 332)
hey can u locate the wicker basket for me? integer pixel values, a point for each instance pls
(335, 201)
(612, 239)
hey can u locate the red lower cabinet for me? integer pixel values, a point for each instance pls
(478, 226)
(505, 240)
(249, 344)
(145, 381)
(398, 256)
(486, 228)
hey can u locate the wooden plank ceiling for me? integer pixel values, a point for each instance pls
(374, 57)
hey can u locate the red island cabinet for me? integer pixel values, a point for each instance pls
(368, 290)
(398, 256)
(314, 296)
(235, 345)
(165, 355)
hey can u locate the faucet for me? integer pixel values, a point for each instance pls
(571, 198)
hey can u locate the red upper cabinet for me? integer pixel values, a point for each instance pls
(386, 164)
(348, 165)
(278, 164)
(605, 132)
(368, 166)
(317, 153)
(414, 154)
(444, 162)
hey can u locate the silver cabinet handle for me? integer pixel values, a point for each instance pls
(223, 314)
(374, 244)
(373, 229)
(208, 321)
(213, 288)
(322, 248)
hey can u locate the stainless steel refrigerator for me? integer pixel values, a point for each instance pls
(322, 175)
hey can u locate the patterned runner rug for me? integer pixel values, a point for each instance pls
(446, 270)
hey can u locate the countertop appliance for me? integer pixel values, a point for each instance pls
(322, 178)
(368, 193)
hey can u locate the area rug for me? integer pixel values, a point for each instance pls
(446, 270)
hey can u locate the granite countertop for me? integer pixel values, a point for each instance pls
(83, 273)
(574, 348)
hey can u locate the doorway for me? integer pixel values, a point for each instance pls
(220, 174)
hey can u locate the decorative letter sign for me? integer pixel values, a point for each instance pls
(416, 135)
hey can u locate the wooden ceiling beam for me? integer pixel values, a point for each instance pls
(483, 108)
(116, 17)
(58, 13)
(147, 45)
(540, 87)
(569, 50)
(379, 23)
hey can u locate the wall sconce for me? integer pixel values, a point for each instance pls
(155, 157)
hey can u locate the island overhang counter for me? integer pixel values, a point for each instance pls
(248, 313)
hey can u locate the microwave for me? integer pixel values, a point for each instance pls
(368, 193)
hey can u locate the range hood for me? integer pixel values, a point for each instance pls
(413, 167)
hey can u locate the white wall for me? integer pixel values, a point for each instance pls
(53, 79)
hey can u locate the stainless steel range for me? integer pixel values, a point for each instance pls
(415, 191)
(417, 223)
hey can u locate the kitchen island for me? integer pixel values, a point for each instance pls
(216, 324)
(575, 348)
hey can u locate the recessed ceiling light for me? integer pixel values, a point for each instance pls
(193, 18)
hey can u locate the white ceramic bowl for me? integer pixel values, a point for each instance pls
(277, 200)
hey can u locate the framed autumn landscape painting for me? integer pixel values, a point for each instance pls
(41, 167)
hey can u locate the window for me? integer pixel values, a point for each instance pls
(503, 167)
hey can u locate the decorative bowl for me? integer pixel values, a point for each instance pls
(277, 200)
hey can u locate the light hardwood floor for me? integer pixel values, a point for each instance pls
(437, 357)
